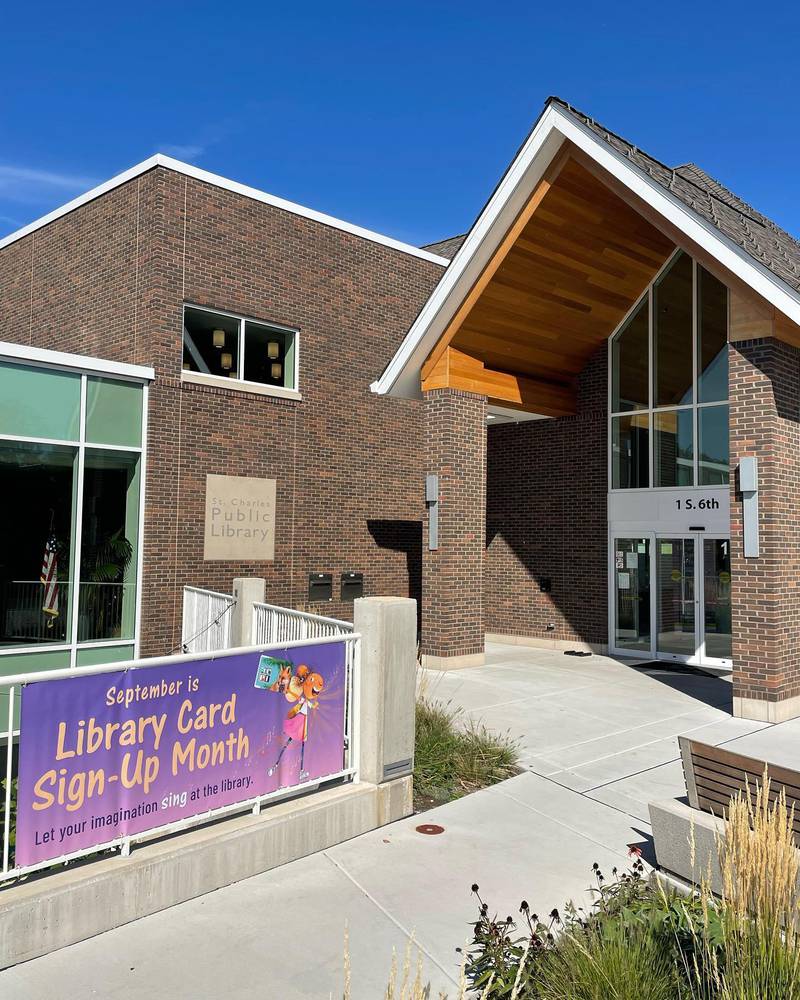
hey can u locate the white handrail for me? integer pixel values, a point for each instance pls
(272, 623)
(207, 620)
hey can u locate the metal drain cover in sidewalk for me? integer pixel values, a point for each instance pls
(430, 828)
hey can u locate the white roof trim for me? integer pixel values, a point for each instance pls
(160, 160)
(401, 376)
(79, 362)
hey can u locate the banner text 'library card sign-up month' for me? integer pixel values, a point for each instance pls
(105, 756)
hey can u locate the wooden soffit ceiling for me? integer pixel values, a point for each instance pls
(568, 270)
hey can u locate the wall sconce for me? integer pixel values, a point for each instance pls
(273, 349)
(186, 366)
(277, 369)
(226, 360)
(218, 338)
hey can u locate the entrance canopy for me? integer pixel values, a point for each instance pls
(577, 228)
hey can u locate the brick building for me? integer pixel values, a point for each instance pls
(631, 332)
(188, 395)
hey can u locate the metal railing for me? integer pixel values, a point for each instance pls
(207, 620)
(12, 743)
(101, 610)
(274, 624)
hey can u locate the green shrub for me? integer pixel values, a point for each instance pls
(453, 755)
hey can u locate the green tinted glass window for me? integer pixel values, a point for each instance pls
(35, 402)
(94, 656)
(25, 663)
(113, 412)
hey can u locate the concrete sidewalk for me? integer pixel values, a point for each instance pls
(280, 935)
(598, 739)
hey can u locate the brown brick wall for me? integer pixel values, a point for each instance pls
(764, 386)
(109, 280)
(546, 518)
(455, 449)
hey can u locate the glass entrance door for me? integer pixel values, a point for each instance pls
(632, 617)
(676, 618)
(671, 598)
(716, 601)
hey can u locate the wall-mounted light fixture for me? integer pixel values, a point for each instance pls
(218, 338)
(432, 503)
(748, 487)
(273, 349)
(277, 369)
(226, 360)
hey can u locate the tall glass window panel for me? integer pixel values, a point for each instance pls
(37, 499)
(210, 343)
(113, 412)
(673, 448)
(712, 338)
(673, 369)
(109, 542)
(37, 402)
(713, 447)
(630, 363)
(630, 452)
(269, 355)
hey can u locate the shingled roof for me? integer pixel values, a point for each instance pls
(446, 248)
(756, 234)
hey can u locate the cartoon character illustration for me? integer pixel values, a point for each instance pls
(282, 681)
(272, 674)
(303, 691)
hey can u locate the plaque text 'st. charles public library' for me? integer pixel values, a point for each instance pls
(577, 425)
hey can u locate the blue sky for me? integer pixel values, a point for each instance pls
(397, 116)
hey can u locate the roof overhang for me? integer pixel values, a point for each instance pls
(555, 127)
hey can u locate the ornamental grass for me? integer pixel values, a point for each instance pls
(642, 941)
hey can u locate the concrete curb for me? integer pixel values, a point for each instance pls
(43, 914)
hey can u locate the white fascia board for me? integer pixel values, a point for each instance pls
(77, 362)
(401, 377)
(160, 160)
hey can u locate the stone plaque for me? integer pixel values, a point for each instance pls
(240, 518)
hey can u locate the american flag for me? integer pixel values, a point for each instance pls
(49, 579)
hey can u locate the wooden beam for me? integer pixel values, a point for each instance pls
(455, 369)
(496, 260)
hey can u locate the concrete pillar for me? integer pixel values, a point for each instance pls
(764, 389)
(452, 574)
(386, 697)
(246, 590)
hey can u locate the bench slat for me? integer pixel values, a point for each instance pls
(714, 775)
(704, 774)
(739, 773)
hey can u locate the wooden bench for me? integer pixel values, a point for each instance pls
(714, 775)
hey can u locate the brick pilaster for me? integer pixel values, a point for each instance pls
(764, 386)
(455, 449)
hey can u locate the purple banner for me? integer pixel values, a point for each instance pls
(105, 756)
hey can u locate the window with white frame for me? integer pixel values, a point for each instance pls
(233, 347)
(668, 371)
